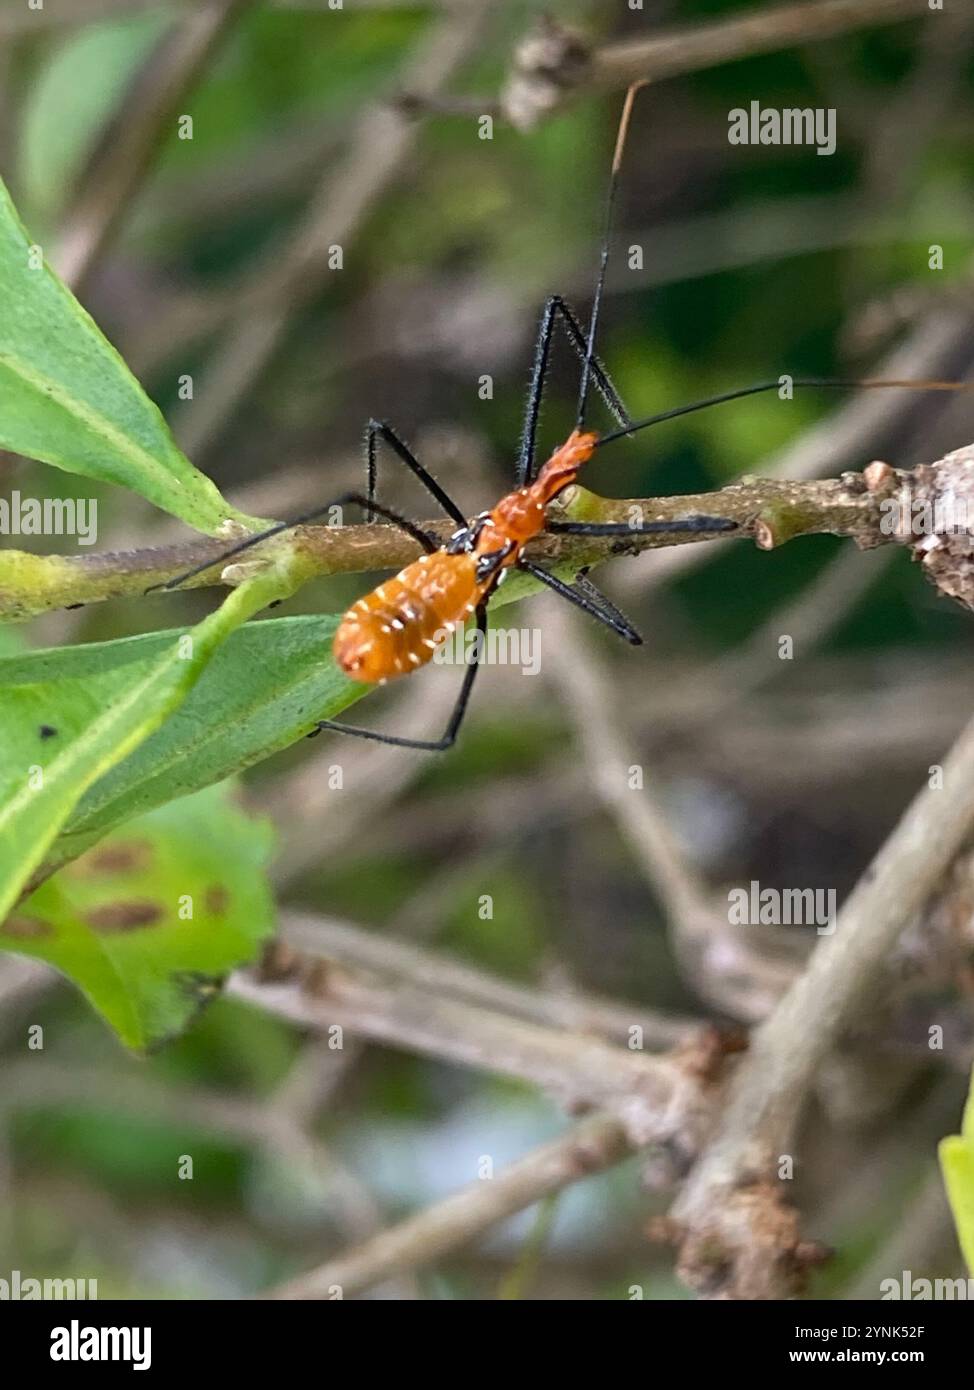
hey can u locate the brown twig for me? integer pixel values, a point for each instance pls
(939, 346)
(595, 1144)
(656, 1097)
(771, 510)
(408, 964)
(728, 969)
(554, 64)
(139, 124)
(378, 150)
(731, 1195)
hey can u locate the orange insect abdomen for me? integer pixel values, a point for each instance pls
(396, 628)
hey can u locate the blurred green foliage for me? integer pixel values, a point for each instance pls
(519, 215)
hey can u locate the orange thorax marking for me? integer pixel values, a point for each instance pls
(520, 516)
(396, 628)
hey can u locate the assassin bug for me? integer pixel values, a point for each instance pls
(395, 629)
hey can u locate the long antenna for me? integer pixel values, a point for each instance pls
(624, 120)
(867, 384)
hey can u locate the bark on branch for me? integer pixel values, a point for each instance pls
(736, 1232)
(554, 64)
(870, 508)
(595, 1144)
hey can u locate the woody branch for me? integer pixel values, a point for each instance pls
(554, 64)
(768, 510)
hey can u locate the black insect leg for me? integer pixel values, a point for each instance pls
(426, 540)
(589, 590)
(378, 429)
(689, 524)
(449, 737)
(557, 311)
(584, 595)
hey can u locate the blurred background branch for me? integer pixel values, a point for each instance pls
(596, 1143)
(467, 1034)
(554, 64)
(125, 152)
(377, 150)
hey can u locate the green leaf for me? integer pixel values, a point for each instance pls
(263, 691)
(150, 923)
(67, 398)
(77, 83)
(957, 1165)
(59, 735)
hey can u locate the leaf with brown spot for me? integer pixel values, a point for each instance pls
(217, 898)
(144, 924)
(103, 713)
(124, 916)
(26, 928)
(124, 857)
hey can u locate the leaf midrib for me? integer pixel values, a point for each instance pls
(96, 422)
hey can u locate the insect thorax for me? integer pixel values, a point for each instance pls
(465, 539)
